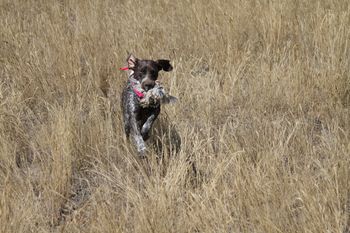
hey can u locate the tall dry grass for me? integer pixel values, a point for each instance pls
(264, 114)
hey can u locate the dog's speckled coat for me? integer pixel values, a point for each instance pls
(138, 120)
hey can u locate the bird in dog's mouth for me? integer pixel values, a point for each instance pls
(155, 96)
(152, 97)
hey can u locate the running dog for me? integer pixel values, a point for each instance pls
(138, 117)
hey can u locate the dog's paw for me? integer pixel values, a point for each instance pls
(142, 152)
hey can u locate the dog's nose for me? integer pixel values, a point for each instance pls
(148, 84)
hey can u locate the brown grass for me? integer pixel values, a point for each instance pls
(264, 93)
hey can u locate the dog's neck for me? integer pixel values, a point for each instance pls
(135, 84)
(132, 78)
(130, 73)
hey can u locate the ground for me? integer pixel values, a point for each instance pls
(263, 115)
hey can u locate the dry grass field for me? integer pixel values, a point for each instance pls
(263, 113)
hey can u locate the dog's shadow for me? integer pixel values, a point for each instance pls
(165, 139)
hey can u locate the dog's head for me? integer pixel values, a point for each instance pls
(146, 71)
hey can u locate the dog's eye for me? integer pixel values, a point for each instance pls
(153, 73)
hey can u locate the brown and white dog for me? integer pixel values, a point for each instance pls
(142, 77)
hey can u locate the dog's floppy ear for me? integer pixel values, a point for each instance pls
(164, 65)
(131, 61)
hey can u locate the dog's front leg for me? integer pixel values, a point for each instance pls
(140, 143)
(148, 124)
